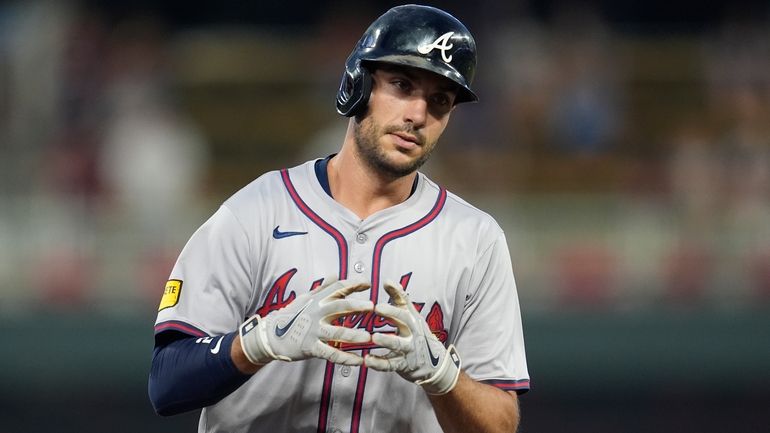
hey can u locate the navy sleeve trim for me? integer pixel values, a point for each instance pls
(191, 373)
(520, 386)
(176, 325)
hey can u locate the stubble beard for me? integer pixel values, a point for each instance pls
(367, 131)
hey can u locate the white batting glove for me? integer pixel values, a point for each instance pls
(416, 354)
(303, 329)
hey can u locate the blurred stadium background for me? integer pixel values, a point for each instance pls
(623, 146)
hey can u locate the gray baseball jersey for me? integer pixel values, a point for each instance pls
(282, 235)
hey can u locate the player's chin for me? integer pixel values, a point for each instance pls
(404, 158)
(402, 165)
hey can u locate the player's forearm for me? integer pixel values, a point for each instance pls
(240, 360)
(476, 407)
(186, 375)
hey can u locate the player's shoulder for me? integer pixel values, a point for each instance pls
(461, 211)
(255, 194)
(266, 190)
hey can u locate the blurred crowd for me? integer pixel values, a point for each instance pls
(629, 168)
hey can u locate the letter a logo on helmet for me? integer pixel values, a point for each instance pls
(442, 43)
(412, 36)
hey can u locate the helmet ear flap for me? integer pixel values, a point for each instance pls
(353, 94)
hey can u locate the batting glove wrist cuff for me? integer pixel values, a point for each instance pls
(446, 376)
(254, 341)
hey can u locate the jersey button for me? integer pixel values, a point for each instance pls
(345, 370)
(358, 267)
(361, 238)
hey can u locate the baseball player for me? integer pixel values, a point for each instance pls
(351, 293)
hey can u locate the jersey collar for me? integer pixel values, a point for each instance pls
(323, 175)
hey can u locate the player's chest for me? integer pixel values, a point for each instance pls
(429, 261)
(374, 252)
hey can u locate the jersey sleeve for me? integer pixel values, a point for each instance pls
(212, 279)
(490, 340)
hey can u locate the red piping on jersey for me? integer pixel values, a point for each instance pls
(174, 325)
(342, 247)
(376, 262)
(398, 233)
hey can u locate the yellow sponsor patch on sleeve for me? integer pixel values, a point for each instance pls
(171, 294)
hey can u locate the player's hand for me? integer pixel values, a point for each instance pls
(304, 328)
(416, 354)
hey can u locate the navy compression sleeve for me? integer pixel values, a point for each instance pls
(187, 375)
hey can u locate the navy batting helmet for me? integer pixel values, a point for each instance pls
(412, 35)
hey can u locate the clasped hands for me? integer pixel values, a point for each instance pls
(306, 329)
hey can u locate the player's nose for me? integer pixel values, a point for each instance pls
(416, 111)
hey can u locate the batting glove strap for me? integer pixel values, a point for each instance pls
(254, 341)
(446, 376)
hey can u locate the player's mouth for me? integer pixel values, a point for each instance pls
(405, 140)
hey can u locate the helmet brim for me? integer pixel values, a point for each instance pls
(464, 93)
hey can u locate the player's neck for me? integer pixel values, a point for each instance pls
(362, 190)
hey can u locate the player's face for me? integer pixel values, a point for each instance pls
(408, 110)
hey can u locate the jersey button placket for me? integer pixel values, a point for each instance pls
(360, 249)
(359, 267)
(361, 238)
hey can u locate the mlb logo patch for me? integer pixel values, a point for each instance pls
(171, 294)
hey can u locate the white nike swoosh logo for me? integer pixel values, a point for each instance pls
(215, 350)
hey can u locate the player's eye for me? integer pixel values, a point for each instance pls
(402, 84)
(441, 103)
(441, 100)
